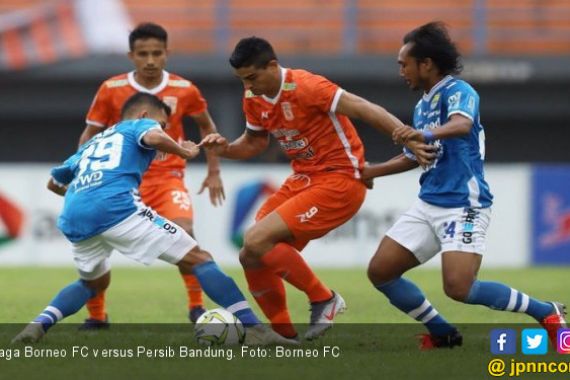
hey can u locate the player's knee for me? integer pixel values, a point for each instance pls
(457, 289)
(99, 284)
(253, 243)
(247, 260)
(376, 275)
(195, 256)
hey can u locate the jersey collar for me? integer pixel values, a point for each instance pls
(276, 98)
(437, 87)
(152, 91)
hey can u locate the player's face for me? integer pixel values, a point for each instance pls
(149, 57)
(409, 68)
(261, 81)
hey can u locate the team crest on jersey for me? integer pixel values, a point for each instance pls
(287, 111)
(171, 101)
(434, 101)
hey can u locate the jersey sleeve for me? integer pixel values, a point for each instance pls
(196, 102)
(99, 113)
(143, 126)
(64, 173)
(463, 100)
(319, 92)
(252, 118)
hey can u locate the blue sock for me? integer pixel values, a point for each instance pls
(67, 302)
(407, 297)
(498, 296)
(223, 290)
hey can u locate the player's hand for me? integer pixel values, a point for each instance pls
(215, 142)
(192, 150)
(366, 177)
(405, 133)
(425, 153)
(215, 187)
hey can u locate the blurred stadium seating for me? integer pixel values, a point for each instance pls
(341, 27)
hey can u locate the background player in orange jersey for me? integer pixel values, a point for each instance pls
(309, 116)
(163, 186)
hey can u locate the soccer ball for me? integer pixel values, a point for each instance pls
(219, 327)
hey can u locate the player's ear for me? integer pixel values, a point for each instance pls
(130, 55)
(143, 114)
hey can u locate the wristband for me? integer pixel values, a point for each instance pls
(428, 136)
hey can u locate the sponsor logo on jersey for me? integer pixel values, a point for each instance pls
(86, 181)
(158, 220)
(434, 101)
(468, 225)
(179, 83)
(287, 111)
(116, 83)
(293, 145)
(289, 86)
(454, 100)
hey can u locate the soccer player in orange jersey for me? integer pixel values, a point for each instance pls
(163, 186)
(309, 116)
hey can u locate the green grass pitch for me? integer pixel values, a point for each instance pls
(376, 340)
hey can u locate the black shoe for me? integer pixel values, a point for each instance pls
(195, 313)
(96, 324)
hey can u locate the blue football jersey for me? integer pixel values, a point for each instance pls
(456, 178)
(103, 178)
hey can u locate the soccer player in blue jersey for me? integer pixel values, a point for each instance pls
(102, 212)
(454, 206)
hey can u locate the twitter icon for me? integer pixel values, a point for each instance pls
(534, 342)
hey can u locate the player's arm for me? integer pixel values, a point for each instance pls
(89, 131)
(159, 140)
(57, 188)
(359, 108)
(398, 164)
(250, 144)
(213, 180)
(457, 126)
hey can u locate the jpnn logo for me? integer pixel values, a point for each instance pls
(503, 341)
(534, 341)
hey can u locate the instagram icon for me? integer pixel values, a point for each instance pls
(563, 345)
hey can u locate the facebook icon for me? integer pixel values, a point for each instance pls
(503, 341)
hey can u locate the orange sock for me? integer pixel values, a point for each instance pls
(290, 265)
(96, 307)
(194, 290)
(269, 292)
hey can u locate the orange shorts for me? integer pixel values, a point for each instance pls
(311, 206)
(169, 198)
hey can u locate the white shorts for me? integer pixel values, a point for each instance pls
(144, 236)
(426, 230)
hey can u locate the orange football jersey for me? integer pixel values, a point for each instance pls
(183, 97)
(303, 118)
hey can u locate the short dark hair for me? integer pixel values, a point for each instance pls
(144, 99)
(147, 30)
(432, 41)
(252, 51)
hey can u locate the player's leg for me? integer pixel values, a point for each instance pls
(409, 243)
(309, 212)
(94, 272)
(193, 288)
(461, 266)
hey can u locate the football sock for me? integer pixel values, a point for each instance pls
(288, 263)
(269, 291)
(223, 290)
(498, 296)
(194, 290)
(407, 297)
(67, 302)
(96, 307)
